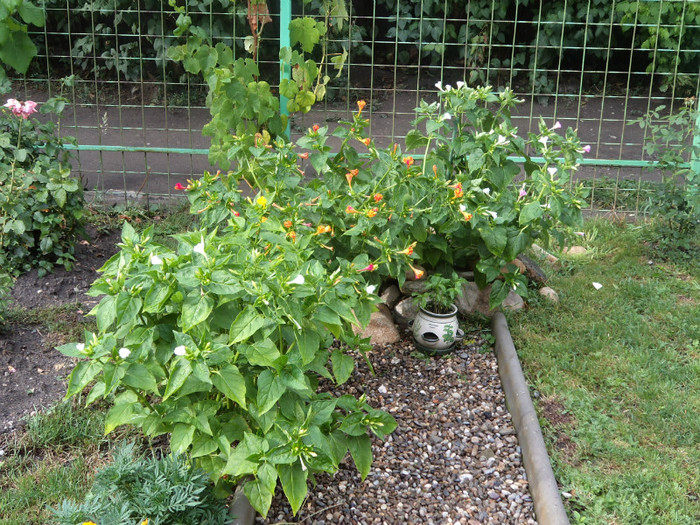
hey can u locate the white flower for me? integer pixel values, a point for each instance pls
(460, 84)
(492, 214)
(303, 466)
(446, 116)
(543, 140)
(299, 279)
(448, 87)
(199, 247)
(501, 141)
(180, 350)
(557, 125)
(462, 207)
(438, 85)
(80, 347)
(124, 353)
(552, 170)
(597, 286)
(155, 260)
(370, 289)
(487, 191)
(580, 234)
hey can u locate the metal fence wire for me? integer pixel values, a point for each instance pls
(594, 65)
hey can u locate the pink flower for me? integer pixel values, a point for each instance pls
(19, 109)
(368, 268)
(557, 125)
(587, 148)
(522, 193)
(179, 186)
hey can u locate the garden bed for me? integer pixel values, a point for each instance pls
(454, 457)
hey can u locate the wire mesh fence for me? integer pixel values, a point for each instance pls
(593, 65)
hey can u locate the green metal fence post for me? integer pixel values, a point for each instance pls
(285, 20)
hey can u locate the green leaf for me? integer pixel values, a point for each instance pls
(82, 374)
(259, 496)
(120, 414)
(262, 353)
(181, 438)
(31, 14)
(270, 389)
(139, 377)
(307, 32)
(494, 237)
(181, 371)
(203, 446)
(245, 325)
(106, 313)
(361, 452)
(293, 480)
(230, 382)
(128, 308)
(476, 160)
(308, 342)
(195, 309)
(343, 366)
(17, 51)
(530, 212)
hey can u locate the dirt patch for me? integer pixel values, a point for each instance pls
(557, 416)
(32, 372)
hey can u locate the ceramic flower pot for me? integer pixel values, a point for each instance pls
(436, 333)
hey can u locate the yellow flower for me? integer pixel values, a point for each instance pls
(262, 201)
(145, 522)
(88, 523)
(408, 161)
(361, 105)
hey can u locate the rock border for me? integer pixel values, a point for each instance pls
(549, 508)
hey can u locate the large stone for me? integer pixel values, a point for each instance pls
(391, 296)
(405, 310)
(474, 300)
(575, 250)
(381, 329)
(549, 293)
(513, 302)
(466, 303)
(413, 287)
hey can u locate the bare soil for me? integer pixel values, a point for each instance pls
(32, 372)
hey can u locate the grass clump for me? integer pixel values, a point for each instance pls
(623, 364)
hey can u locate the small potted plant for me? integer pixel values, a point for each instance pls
(435, 327)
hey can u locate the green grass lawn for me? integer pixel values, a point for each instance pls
(618, 376)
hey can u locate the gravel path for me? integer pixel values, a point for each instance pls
(454, 457)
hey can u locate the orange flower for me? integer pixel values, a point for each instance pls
(287, 224)
(350, 174)
(417, 273)
(372, 213)
(315, 127)
(407, 251)
(435, 170)
(378, 197)
(323, 228)
(350, 209)
(361, 105)
(458, 191)
(408, 161)
(292, 235)
(467, 216)
(179, 186)
(304, 155)
(367, 141)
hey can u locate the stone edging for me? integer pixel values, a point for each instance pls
(549, 508)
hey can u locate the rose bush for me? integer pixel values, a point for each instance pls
(41, 204)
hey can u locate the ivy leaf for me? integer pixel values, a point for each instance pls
(293, 479)
(307, 32)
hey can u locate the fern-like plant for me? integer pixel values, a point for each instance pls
(134, 488)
